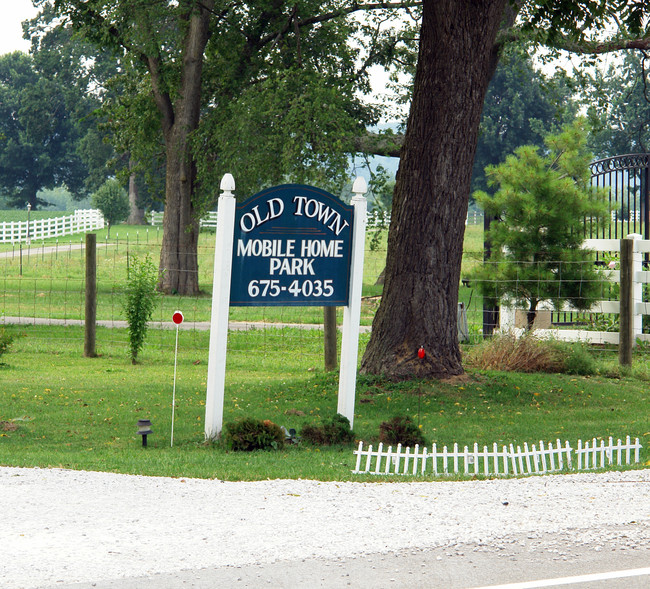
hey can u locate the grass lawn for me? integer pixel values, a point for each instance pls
(58, 409)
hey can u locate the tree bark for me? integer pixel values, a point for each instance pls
(457, 58)
(178, 256)
(136, 214)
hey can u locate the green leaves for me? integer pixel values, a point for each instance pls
(140, 301)
(38, 133)
(111, 199)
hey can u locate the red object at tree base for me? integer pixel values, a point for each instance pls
(421, 353)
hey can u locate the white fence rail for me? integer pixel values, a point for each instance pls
(376, 219)
(210, 220)
(80, 221)
(536, 459)
(639, 308)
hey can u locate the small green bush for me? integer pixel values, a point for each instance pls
(113, 201)
(335, 431)
(577, 358)
(140, 301)
(252, 434)
(6, 339)
(401, 430)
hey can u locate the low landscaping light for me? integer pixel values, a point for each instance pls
(144, 429)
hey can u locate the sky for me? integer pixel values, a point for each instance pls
(12, 13)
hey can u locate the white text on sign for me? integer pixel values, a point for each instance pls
(308, 207)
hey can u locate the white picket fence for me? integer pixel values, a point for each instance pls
(536, 459)
(81, 221)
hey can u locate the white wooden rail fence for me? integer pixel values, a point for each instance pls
(536, 459)
(80, 221)
(640, 308)
(210, 219)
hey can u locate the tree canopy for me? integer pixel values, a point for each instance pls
(38, 134)
(619, 105)
(521, 106)
(209, 85)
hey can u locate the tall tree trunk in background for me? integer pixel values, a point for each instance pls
(457, 58)
(136, 214)
(178, 256)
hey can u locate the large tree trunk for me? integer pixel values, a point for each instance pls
(178, 256)
(457, 58)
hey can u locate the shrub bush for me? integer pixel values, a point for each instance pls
(253, 434)
(401, 430)
(577, 359)
(6, 339)
(140, 301)
(335, 431)
(113, 201)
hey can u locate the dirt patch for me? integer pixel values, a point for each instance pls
(457, 379)
(8, 426)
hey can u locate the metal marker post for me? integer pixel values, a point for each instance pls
(177, 318)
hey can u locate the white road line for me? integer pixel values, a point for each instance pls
(571, 580)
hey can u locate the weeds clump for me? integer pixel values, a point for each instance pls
(140, 301)
(253, 434)
(401, 430)
(531, 354)
(335, 431)
(6, 339)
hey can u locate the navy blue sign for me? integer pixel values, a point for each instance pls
(291, 247)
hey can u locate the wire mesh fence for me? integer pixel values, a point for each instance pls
(44, 283)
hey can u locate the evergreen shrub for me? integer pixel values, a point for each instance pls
(401, 430)
(335, 431)
(250, 434)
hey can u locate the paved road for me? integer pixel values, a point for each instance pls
(516, 560)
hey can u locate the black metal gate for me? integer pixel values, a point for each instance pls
(626, 181)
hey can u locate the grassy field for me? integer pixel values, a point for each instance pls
(58, 409)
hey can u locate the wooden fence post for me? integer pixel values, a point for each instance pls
(626, 317)
(91, 296)
(329, 335)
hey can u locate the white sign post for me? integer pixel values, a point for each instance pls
(352, 313)
(223, 261)
(220, 308)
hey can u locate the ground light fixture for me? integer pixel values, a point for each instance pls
(144, 429)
